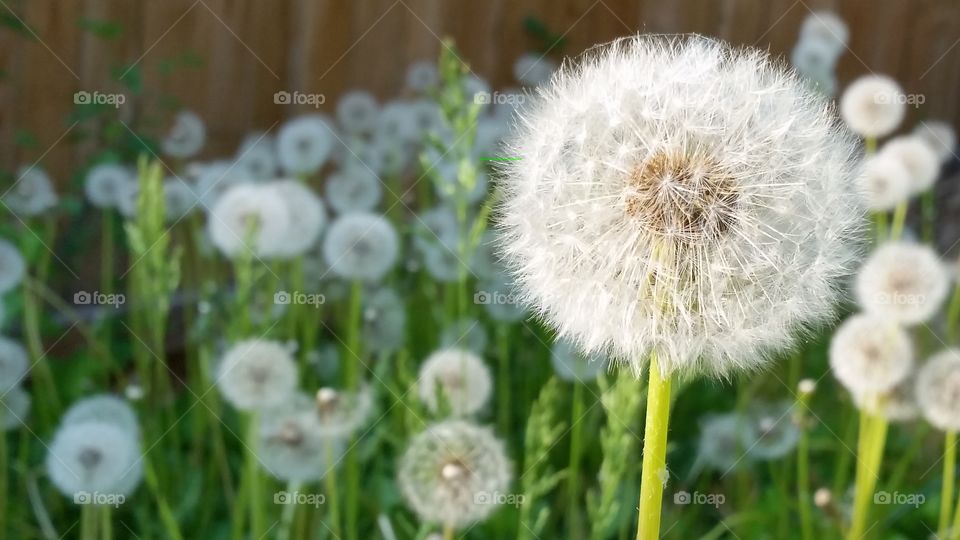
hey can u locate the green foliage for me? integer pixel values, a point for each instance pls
(544, 429)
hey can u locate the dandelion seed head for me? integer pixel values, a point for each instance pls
(724, 440)
(180, 199)
(292, 447)
(257, 374)
(384, 321)
(825, 27)
(245, 210)
(938, 390)
(451, 473)
(341, 413)
(904, 282)
(919, 158)
(460, 376)
(681, 197)
(422, 76)
(813, 58)
(896, 405)
(873, 106)
(14, 408)
(304, 143)
(105, 182)
(355, 189)
(94, 457)
(257, 157)
(186, 137)
(32, 193)
(104, 408)
(777, 434)
(307, 218)
(885, 181)
(361, 246)
(12, 266)
(357, 112)
(870, 354)
(13, 363)
(940, 136)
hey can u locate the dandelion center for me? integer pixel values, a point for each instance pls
(687, 198)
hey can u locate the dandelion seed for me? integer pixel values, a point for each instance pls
(873, 106)
(257, 374)
(903, 282)
(186, 137)
(938, 390)
(105, 182)
(460, 376)
(680, 197)
(361, 246)
(454, 473)
(870, 354)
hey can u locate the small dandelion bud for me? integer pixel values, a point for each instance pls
(823, 498)
(873, 106)
(940, 136)
(903, 282)
(807, 386)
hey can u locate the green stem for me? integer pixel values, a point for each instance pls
(255, 498)
(928, 215)
(352, 357)
(654, 469)
(573, 477)
(4, 484)
(88, 521)
(48, 403)
(953, 315)
(873, 432)
(949, 473)
(166, 514)
(106, 522)
(803, 478)
(503, 378)
(288, 513)
(899, 220)
(448, 532)
(332, 501)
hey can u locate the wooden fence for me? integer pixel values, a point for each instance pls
(250, 49)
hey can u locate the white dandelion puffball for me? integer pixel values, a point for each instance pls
(825, 27)
(13, 364)
(397, 123)
(339, 414)
(680, 197)
(442, 262)
(257, 157)
(873, 106)
(127, 199)
(454, 473)
(776, 433)
(885, 181)
(570, 365)
(31, 194)
(304, 144)
(307, 218)
(870, 355)
(466, 333)
(903, 282)
(814, 59)
(533, 69)
(459, 376)
(357, 112)
(938, 390)
(940, 136)
(12, 266)
(918, 157)
(180, 199)
(104, 408)
(384, 321)
(105, 182)
(291, 447)
(257, 374)
(896, 405)
(361, 246)
(724, 440)
(94, 457)
(422, 76)
(186, 136)
(355, 189)
(249, 217)
(14, 408)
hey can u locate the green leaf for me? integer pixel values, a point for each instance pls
(25, 139)
(131, 76)
(11, 21)
(108, 30)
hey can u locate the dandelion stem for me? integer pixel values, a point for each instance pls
(803, 476)
(654, 465)
(448, 532)
(257, 518)
(289, 512)
(873, 433)
(4, 484)
(332, 501)
(949, 472)
(88, 523)
(899, 220)
(953, 315)
(106, 523)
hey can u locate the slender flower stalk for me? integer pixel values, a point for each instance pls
(949, 477)
(654, 469)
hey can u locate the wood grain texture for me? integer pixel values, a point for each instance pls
(254, 48)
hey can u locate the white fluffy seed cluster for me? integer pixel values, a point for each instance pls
(938, 390)
(680, 197)
(96, 449)
(457, 378)
(257, 374)
(873, 106)
(454, 474)
(903, 282)
(823, 39)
